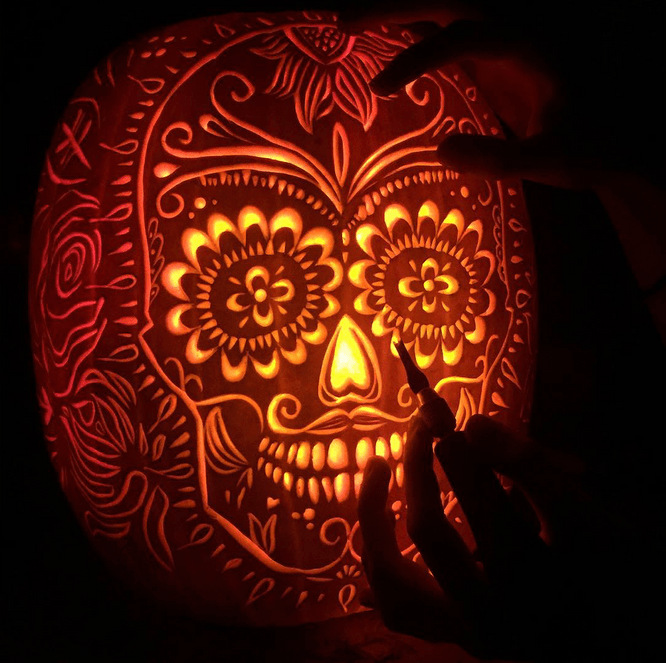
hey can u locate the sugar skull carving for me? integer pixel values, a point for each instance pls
(230, 232)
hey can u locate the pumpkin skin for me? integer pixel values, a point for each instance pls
(230, 231)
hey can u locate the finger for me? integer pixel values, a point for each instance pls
(507, 546)
(467, 39)
(377, 528)
(440, 545)
(553, 482)
(542, 158)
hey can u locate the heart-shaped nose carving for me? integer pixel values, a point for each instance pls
(350, 370)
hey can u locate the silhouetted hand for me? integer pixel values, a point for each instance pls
(558, 79)
(563, 586)
(523, 594)
(575, 89)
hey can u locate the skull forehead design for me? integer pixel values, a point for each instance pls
(307, 224)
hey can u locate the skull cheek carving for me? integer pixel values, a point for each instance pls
(215, 299)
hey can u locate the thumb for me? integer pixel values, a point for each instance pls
(377, 527)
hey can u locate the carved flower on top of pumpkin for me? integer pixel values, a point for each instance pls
(254, 291)
(424, 280)
(323, 67)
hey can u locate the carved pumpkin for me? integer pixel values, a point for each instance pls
(230, 229)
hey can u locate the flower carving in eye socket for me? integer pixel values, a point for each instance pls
(253, 292)
(431, 285)
(260, 295)
(425, 280)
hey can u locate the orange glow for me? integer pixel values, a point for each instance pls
(163, 170)
(303, 456)
(399, 474)
(288, 295)
(341, 485)
(395, 213)
(364, 237)
(364, 451)
(269, 370)
(358, 480)
(172, 275)
(350, 370)
(296, 356)
(251, 216)
(452, 357)
(192, 241)
(193, 353)
(218, 224)
(337, 455)
(233, 373)
(174, 324)
(428, 211)
(349, 365)
(317, 336)
(209, 325)
(382, 449)
(327, 485)
(313, 489)
(287, 218)
(455, 217)
(479, 332)
(321, 237)
(396, 445)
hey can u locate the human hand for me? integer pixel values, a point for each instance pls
(527, 599)
(556, 78)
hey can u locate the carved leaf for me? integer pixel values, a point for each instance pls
(466, 408)
(232, 564)
(200, 534)
(263, 535)
(340, 153)
(165, 410)
(262, 587)
(154, 516)
(223, 454)
(346, 595)
(510, 372)
(180, 471)
(158, 446)
(143, 443)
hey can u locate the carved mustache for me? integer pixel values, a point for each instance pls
(363, 418)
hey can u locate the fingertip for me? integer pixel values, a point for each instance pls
(374, 488)
(378, 468)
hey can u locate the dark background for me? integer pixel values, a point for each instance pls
(599, 389)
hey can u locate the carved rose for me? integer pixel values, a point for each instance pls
(71, 313)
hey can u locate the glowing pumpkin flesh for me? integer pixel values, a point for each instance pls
(230, 230)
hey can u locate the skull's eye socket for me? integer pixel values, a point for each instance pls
(259, 294)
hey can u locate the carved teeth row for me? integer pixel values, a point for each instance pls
(306, 455)
(322, 488)
(317, 456)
